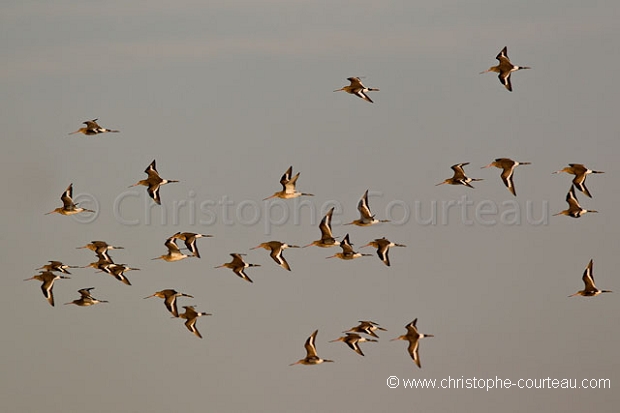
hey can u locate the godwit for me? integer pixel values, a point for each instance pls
(191, 316)
(357, 88)
(366, 217)
(190, 240)
(574, 209)
(100, 264)
(366, 327)
(459, 177)
(101, 249)
(57, 266)
(48, 278)
(118, 271)
(580, 172)
(352, 340)
(276, 248)
(92, 128)
(170, 299)
(508, 166)
(174, 253)
(590, 289)
(504, 68)
(288, 186)
(383, 247)
(311, 357)
(68, 207)
(153, 182)
(238, 265)
(347, 251)
(327, 239)
(86, 299)
(413, 337)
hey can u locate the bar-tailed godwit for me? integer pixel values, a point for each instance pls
(327, 239)
(413, 337)
(276, 248)
(590, 289)
(459, 177)
(57, 266)
(190, 240)
(174, 253)
(191, 315)
(507, 166)
(153, 182)
(357, 88)
(170, 299)
(347, 251)
(311, 356)
(68, 207)
(580, 172)
(47, 278)
(352, 340)
(101, 249)
(366, 327)
(86, 298)
(118, 271)
(574, 209)
(383, 247)
(366, 217)
(92, 128)
(238, 266)
(504, 68)
(288, 186)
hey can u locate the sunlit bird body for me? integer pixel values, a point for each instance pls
(352, 340)
(174, 253)
(366, 217)
(57, 266)
(413, 337)
(288, 186)
(93, 128)
(153, 182)
(504, 68)
(100, 264)
(312, 357)
(86, 298)
(590, 289)
(68, 207)
(580, 172)
(357, 88)
(383, 246)
(238, 266)
(508, 167)
(118, 271)
(170, 299)
(347, 251)
(190, 240)
(459, 177)
(101, 248)
(366, 327)
(574, 209)
(191, 315)
(47, 278)
(327, 239)
(276, 248)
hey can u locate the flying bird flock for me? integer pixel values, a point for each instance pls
(365, 331)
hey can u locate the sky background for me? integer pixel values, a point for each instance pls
(226, 96)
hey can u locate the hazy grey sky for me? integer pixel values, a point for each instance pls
(226, 96)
